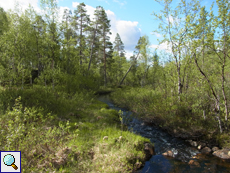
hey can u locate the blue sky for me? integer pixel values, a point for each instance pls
(130, 18)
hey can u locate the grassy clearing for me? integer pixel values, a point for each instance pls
(56, 132)
(185, 119)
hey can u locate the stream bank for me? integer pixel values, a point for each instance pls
(172, 154)
(180, 119)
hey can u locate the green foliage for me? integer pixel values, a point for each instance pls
(47, 86)
(224, 140)
(165, 111)
(3, 21)
(119, 46)
(52, 70)
(82, 134)
(23, 130)
(19, 123)
(41, 97)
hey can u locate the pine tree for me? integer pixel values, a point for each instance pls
(94, 37)
(104, 27)
(82, 22)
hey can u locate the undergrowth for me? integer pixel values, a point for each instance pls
(66, 133)
(184, 118)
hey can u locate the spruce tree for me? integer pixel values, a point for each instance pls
(119, 46)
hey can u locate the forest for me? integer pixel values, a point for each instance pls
(52, 70)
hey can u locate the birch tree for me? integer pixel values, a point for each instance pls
(174, 29)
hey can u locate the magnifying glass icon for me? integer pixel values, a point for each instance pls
(9, 160)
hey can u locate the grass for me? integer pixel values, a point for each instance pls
(65, 133)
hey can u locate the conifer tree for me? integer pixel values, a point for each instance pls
(94, 36)
(119, 54)
(104, 27)
(82, 22)
(119, 46)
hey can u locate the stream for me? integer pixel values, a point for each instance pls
(164, 142)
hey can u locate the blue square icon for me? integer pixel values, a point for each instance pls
(10, 161)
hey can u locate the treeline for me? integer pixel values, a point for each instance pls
(76, 52)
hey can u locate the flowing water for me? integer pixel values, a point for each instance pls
(163, 142)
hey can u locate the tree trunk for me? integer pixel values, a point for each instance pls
(104, 64)
(217, 109)
(81, 42)
(223, 92)
(128, 70)
(223, 79)
(53, 74)
(144, 77)
(91, 52)
(31, 81)
(125, 75)
(210, 85)
(217, 114)
(204, 115)
(22, 78)
(179, 84)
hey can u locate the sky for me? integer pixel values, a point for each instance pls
(130, 18)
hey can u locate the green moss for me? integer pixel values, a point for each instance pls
(98, 105)
(224, 140)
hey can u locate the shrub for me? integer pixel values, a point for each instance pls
(35, 135)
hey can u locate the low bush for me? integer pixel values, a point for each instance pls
(34, 134)
(56, 102)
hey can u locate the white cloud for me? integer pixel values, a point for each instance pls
(120, 3)
(128, 31)
(174, 20)
(23, 4)
(75, 4)
(170, 19)
(166, 46)
(128, 54)
(156, 34)
(105, 1)
(61, 13)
